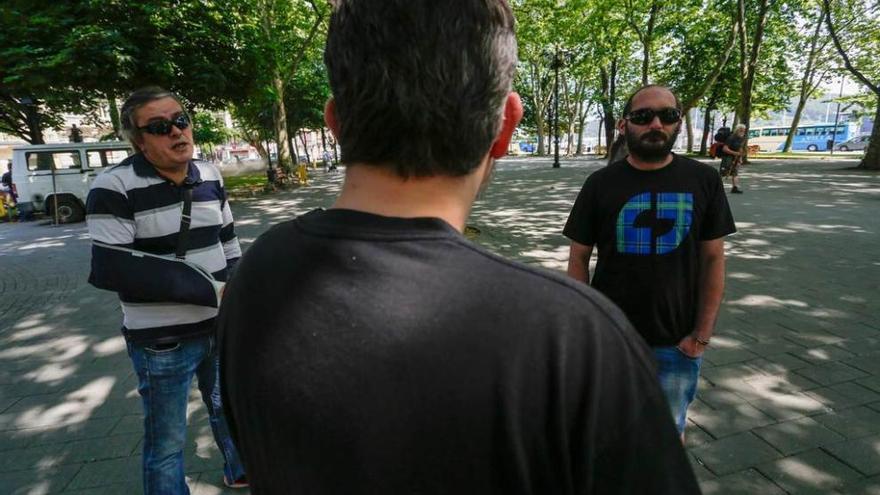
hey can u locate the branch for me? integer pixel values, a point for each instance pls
(846, 62)
(716, 71)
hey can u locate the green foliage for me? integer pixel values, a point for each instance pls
(208, 129)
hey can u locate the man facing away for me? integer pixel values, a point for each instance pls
(163, 238)
(658, 221)
(732, 155)
(371, 348)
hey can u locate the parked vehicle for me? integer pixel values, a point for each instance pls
(55, 178)
(855, 144)
(809, 137)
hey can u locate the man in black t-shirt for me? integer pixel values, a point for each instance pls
(371, 348)
(731, 157)
(658, 221)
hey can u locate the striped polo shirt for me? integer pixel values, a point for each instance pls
(134, 220)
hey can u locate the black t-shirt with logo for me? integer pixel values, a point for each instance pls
(734, 142)
(370, 354)
(647, 227)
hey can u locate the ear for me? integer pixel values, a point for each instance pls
(513, 112)
(330, 117)
(621, 126)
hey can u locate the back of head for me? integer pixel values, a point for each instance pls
(420, 85)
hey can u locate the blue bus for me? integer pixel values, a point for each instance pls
(812, 137)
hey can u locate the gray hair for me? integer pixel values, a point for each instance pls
(135, 101)
(420, 85)
(738, 127)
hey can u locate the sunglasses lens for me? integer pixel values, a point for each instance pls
(669, 115)
(641, 117)
(644, 116)
(181, 122)
(159, 128)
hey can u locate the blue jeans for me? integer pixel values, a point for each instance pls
(678, 375)
(164, 377)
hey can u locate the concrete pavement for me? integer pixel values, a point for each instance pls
(790, 396)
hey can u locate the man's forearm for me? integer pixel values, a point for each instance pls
(711, 290)
(579, 269)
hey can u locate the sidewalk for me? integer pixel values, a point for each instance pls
(790, 397)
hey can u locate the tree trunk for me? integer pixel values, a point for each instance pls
(302, 139)
(708, 121)
(609, 90)
(689, 124)
(646, 43)
(807, 87)
(711, 80)
(749, 76)
(34, 124)
(599, 137)
(280, 116)
(871, 161)
(113, 110)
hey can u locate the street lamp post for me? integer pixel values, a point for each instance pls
(556, 107)
(836, 116)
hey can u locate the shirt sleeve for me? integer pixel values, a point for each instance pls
(137, 276)
(718, 221)
(231, 246)
(581, 225)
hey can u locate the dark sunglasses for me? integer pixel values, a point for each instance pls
(645, 116)
(163, 127)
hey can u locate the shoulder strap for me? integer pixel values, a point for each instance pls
(185, 220)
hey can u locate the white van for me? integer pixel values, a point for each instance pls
(55, 178)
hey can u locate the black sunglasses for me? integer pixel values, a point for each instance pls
(645, 116)
(163, 127)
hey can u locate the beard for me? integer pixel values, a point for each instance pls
(651, 146)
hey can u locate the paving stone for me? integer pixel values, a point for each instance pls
(852, 423)
(791, 437)
(700, 470)
(778, 364)
(735, 453)
(851, 331)
(729, 421)
(869, 364)
(748, 482)
(127, 488)
(694, 436)
(133, 423)
(814, 338)
(730, 339)
(774, 347)
(719, 398)
(811, 472)
(844, 395)
(109, 472)
(861, 346)
(869, 486)
(786, 406)
(91, 428)
(871, 382)
(862, 454)
(823, 354)
(831, 373)
(721, 357)
(39, 482)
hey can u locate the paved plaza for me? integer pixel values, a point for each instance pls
(789, 399)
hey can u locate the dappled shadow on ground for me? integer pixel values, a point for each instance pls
(791, 380)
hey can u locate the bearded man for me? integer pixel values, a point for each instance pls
(658, 221)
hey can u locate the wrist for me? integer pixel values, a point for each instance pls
(700, 340)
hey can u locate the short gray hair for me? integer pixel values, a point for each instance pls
(739, 126)
(135, 101)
